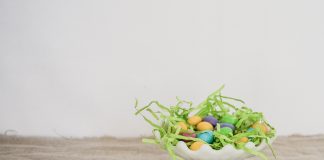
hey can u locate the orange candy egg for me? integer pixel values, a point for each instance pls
(194, 120)
(244, 140)
(202, 126)
(263, 127)
(183, 126)
(196, 145)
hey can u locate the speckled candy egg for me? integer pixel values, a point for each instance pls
(229, 119)
(202, 126)
(210, 119)
(222, 125)
(263, 127)
(196, 145)
(243, 140)
(192, 135)
(194, 120)
(226, 131)
(183, 126)
(250, 130)
(207, 136)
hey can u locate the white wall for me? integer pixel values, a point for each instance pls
(75, 67)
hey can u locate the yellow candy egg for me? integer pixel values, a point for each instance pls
(202, 126)
(194, 120)
(263, 127)
(183, 126)
(244, 140)
(196, 145)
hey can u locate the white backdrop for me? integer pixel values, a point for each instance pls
(75, 67)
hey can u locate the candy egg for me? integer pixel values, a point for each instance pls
(192, 135)
(250, 130)
(226, 131)
(196, 145)
(229, 119)
(183, 126)
(207, 136)
(222, 125)
(212, 120)
(243, 140)
(263, 127)
(194, 120)
(204, 126)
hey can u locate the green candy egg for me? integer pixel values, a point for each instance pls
(229, 119)
(226, 131)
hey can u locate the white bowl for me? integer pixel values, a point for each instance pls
(228, 152)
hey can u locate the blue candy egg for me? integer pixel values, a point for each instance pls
(250, 129)
(207, 136)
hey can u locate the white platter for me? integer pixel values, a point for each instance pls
(228, 152)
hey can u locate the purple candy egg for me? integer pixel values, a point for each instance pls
(222, 125)
(210, 119)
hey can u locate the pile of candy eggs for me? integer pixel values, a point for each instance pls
(206, 126)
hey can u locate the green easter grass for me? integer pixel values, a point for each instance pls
(165, 121)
